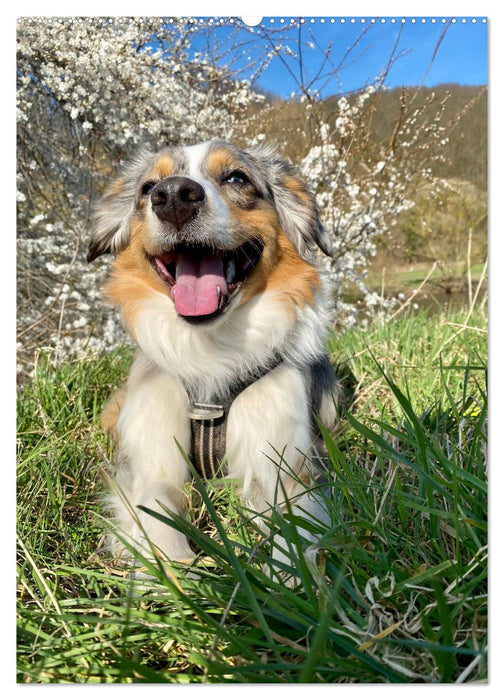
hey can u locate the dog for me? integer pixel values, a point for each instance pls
(217, 281)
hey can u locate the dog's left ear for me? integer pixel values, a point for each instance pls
(295, 204)
(111, 220)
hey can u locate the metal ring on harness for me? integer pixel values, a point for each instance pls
(205, 411)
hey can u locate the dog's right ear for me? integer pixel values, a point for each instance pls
(111, 219)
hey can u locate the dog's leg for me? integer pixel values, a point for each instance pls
(304, 491)
(151, 469)
(269, 434)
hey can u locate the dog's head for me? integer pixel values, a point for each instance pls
(205, 223)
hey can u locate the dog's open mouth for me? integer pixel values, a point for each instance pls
(202, 280)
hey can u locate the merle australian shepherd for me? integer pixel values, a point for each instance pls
(216, 279)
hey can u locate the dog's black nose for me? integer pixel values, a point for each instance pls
(177, 199)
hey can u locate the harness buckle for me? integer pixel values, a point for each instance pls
(205, 411)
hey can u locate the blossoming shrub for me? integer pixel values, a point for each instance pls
(363, 186)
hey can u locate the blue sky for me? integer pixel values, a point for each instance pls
(461, 57)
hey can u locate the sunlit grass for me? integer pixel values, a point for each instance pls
(394, 591)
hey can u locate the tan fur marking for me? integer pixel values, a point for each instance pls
(301, 475)
(111, 410)
(132, 278)
(281, 269)
(116, 188)
(218, 160)
(297, 187)
(164, 167)
(294, 274)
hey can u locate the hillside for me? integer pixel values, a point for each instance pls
(465, 117)
(437, 226)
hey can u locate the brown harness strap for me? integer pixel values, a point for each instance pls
(208, 439)
(209, 423)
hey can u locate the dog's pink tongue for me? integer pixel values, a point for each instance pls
(199, 284)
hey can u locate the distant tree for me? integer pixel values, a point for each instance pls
(444, 222)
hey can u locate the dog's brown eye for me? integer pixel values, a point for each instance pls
(147, 187)
(237, 177)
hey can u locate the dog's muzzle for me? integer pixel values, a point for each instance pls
(202, 277)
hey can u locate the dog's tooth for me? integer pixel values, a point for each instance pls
(231, 271)
(220, 296)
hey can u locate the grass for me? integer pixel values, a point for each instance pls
(441, 282)
(394, 592)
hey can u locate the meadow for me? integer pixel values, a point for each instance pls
(394, 592)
